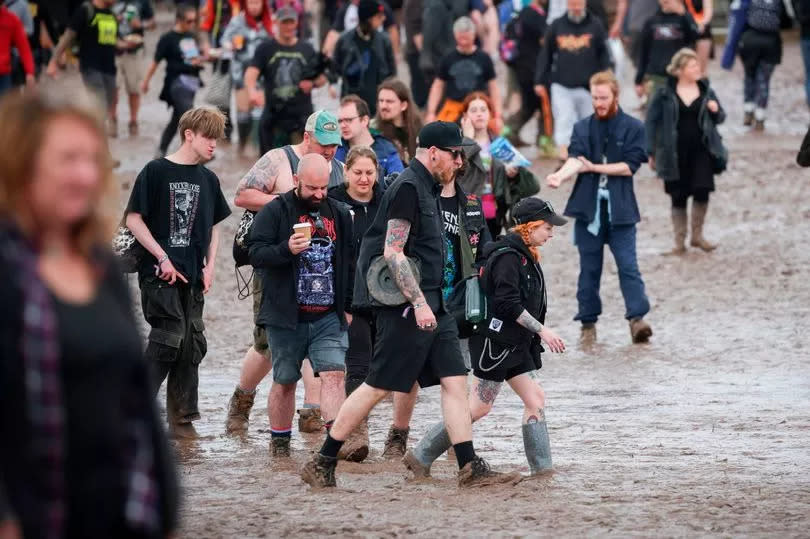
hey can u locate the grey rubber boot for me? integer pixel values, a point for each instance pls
(430, 447)
(536, 444)
(679, 226)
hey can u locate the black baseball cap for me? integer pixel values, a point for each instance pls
(441, 135)
(536, 209)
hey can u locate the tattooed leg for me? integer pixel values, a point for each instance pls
(483, 397)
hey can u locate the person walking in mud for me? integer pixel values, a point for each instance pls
(507, 345)
(270, 177)
(417, 339)
(302, 241)
(607, 148)
(174, 211)
(688, 107)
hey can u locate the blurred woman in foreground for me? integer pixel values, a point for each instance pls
(83, 454)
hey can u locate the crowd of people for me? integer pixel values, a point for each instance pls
(392, 245)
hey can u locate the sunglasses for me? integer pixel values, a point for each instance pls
(457, 154)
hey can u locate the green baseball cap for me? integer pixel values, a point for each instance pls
(324, 127)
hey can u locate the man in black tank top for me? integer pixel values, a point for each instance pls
(271, 176)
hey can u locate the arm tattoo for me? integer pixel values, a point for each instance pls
(529, 322)
(487, 390)
(395, 238)
(263, 175)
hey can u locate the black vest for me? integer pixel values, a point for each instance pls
(425, 241)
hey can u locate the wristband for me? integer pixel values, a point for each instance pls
(418, 306)
(162, 259)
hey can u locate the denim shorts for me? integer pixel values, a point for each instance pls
(322, 341)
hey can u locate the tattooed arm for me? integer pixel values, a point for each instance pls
(394, 252)
(265, 181)
(529, 322)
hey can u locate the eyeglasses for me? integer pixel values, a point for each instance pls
(347, 120)
(457, 154)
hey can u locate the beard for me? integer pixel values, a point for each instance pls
(612, 111)
(576, 18)
(310, 203)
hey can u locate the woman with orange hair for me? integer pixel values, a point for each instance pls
(507, 345)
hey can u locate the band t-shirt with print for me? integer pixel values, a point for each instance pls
(452, 260)
(179, 49)
(464, 74)
(97, 32)
(179, 204)
(315, 280)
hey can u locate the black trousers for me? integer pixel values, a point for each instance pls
(420, 86)
(182, 101)
(176, 344)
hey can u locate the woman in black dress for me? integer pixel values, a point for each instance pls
(684, 146)
(82, 452)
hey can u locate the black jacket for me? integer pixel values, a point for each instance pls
(363, 213)
(662, 36)
(513, 282)
(348, 61)
(572, 52)
(661, 128)
(269, 251)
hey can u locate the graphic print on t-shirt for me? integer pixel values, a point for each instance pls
(289, 71)
(451, 241)
(188, 46)
(667, 32)
(467, 75)
(316, 272)
(107, 26)
(184, 199)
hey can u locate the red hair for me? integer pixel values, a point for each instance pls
(523, 231)
(266, 19)
(475, 96)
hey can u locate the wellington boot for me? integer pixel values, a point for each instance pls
(355, 448)
(239, 410)
(679, 225)
(537, 447)
(699, 210)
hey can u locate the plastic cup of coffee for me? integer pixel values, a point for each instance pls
(303, 228)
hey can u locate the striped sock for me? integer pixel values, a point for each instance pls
(281, 432)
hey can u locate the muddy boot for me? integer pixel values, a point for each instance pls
(587, 337)
(310, 420)
(699, 210)
(320, 472)
(477, 473)
(748, 118)
(640, 331)
(537, 447)
(239, 410)
(759, 119)
(679, 219)
(396, 444)
(435, 442)
(243, 127)
(184, 431)
(355, 449)
(280, 446)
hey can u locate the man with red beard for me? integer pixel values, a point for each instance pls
(606, 150)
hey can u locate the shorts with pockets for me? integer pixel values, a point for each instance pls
(100, 83)
(323, 342)
(131, 70)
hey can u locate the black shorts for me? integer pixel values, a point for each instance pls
(706, 33)
(486, 356)
(404, 354)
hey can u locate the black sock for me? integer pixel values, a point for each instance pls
(464, 453)
(331, 447)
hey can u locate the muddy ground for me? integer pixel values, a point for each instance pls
(702, 432)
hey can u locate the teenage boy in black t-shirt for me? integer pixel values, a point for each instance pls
(174, 211)
(181, 50)
(283, 63)
(96, 29)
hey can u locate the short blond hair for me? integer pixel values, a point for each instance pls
(206, 121)
(680, 59)
(605, 78)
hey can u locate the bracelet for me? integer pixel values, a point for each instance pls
(418, 306)
(162, 259)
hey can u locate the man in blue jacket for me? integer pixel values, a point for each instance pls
(606, 150)
(354, 117)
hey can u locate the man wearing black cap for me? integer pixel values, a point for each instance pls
(506, 346)
(364, 57)
(417, 339)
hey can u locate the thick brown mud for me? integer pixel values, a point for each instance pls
(702, 432)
